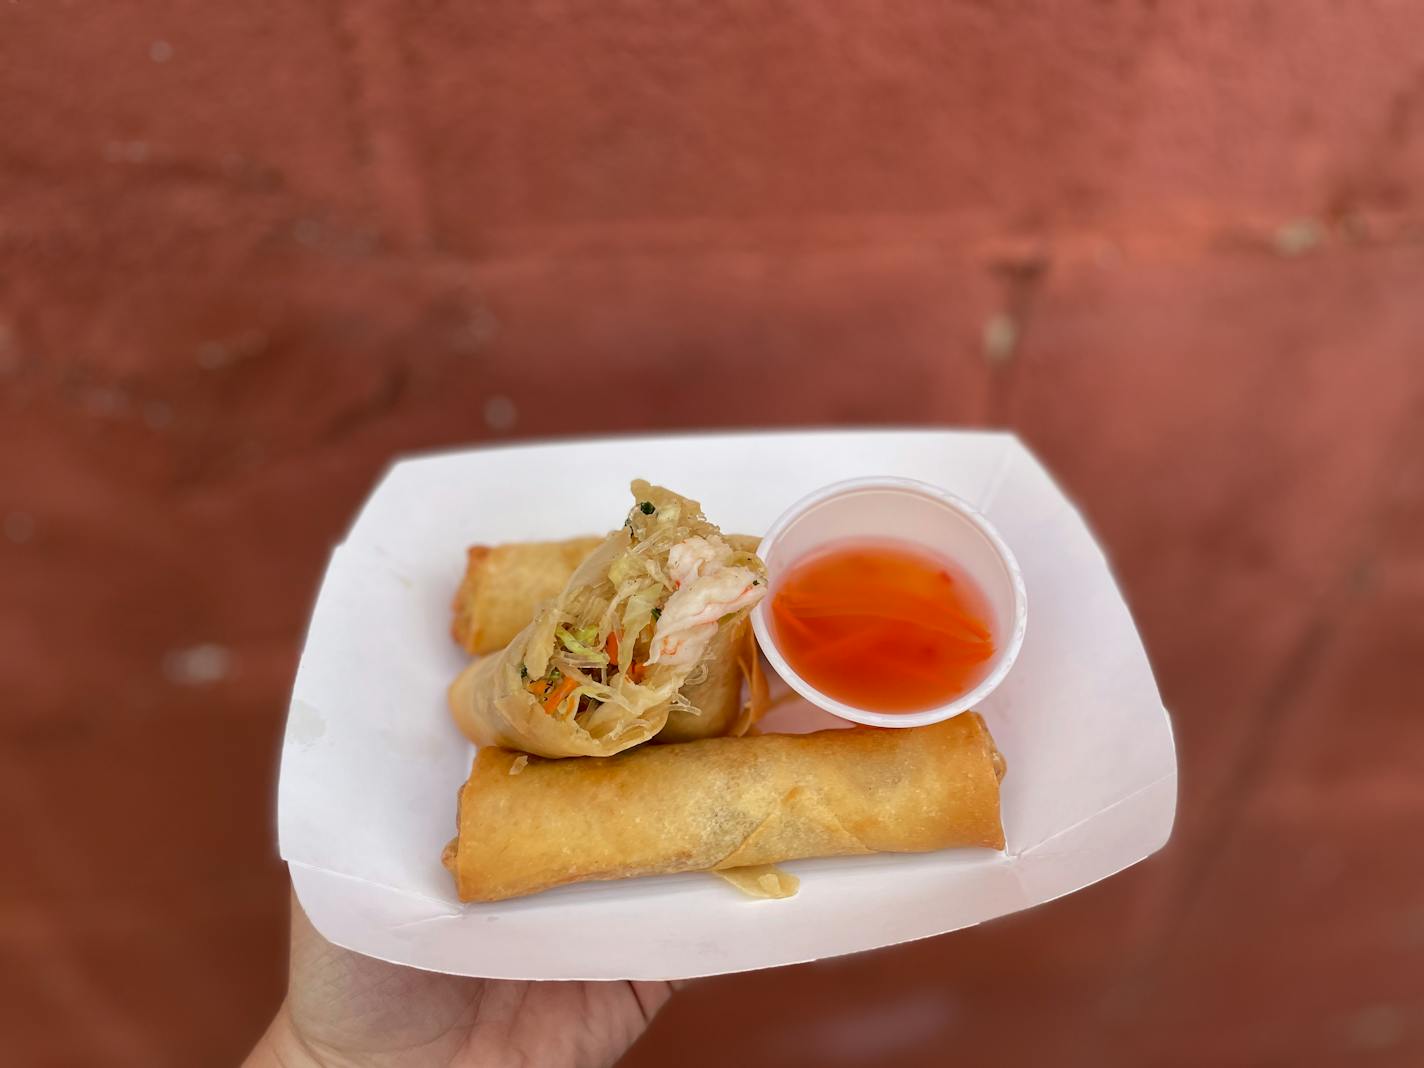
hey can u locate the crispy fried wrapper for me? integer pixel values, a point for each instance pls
(673, 595)
(725, 803)
(762, 880)
(504, 584)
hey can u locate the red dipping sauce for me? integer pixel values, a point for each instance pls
(884, 625)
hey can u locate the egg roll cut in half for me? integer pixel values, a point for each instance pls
(504, 585)
(526, 825)
(600, 667)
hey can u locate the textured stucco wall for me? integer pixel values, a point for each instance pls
(248, 252)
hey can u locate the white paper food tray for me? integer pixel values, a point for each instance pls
(372, 763)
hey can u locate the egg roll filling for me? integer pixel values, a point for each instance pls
(652, 624)
(656, 614)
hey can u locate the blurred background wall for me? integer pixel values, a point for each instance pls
(249, 252)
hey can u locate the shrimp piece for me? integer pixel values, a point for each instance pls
(705, 590)
(696, 556)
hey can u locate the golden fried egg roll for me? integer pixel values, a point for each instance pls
(504, 585)
(526, 824)
(600, 667)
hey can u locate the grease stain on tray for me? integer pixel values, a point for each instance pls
(305, 724)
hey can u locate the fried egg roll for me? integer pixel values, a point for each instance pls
(600, 667)
(504, 585)
(527, 824)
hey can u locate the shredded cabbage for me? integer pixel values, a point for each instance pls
(679, 703)
(636, 616)
(580, 644)
(623, 569)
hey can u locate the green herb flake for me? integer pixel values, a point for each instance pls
(657, 613)
(647, 508)
(523, 672)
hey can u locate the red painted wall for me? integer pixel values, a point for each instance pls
(250, 252)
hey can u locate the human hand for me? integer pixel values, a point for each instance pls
(346, 1010)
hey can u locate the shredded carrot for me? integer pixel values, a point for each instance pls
(612, 649)
(561, 691)
(636, 670)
